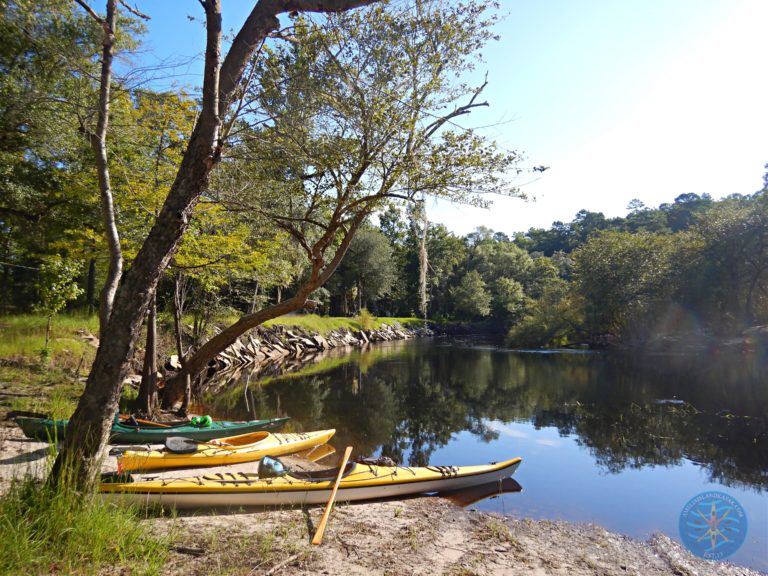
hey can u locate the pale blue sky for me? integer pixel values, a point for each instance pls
(623, 99)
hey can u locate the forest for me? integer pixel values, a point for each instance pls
(693, 267)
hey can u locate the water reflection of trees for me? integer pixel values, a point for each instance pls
(411, 403)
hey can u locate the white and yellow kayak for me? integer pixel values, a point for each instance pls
(224, 451)
(359, 482)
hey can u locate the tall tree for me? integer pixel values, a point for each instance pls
(367, 269)
(471, 300)
(727, 281)
(330, 141)
(506, 270)
(681, 214)
(98, 141)
(623, 278)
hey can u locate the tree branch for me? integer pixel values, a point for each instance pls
(133, 10)
(260, 23)
(91, 12)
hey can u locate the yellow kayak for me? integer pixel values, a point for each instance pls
(230, 450)
(359, 482)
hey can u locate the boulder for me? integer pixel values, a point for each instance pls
(173, 362)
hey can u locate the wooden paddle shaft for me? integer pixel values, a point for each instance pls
(140, 421)
(324, 520)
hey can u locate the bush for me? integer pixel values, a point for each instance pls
(366, 320)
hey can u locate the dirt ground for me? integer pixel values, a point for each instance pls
(428, 536)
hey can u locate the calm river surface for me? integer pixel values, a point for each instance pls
(621, 441)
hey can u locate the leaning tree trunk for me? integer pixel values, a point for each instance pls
(319, 274)
(91, 423)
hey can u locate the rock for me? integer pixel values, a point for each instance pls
(307, 343)
(173, 362)
(132, 380)
(273, 344)
(279, 349)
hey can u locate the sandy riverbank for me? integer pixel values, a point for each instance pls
(418, 536)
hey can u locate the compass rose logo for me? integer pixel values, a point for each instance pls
(713, 525)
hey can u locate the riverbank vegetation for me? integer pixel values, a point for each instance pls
(246, 196)
(695, 264)
(694, 267)
(297, 179)
(60, 530)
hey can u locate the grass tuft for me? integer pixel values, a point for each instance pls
(366, 320)
(46, 530)
(51, 393)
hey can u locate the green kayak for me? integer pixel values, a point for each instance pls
(144, 432)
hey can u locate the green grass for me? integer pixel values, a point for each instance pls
(24, 335)
(326, 324)
(60, 531)
(32, 389)
(45, 530)
(24, 338)
(57, 402)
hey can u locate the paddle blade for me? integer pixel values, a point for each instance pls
(317, 453)
(181, 445)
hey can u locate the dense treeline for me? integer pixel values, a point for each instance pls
(696, 266)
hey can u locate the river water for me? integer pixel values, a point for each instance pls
(622, 441)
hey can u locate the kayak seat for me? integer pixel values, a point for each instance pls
(329, 474)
